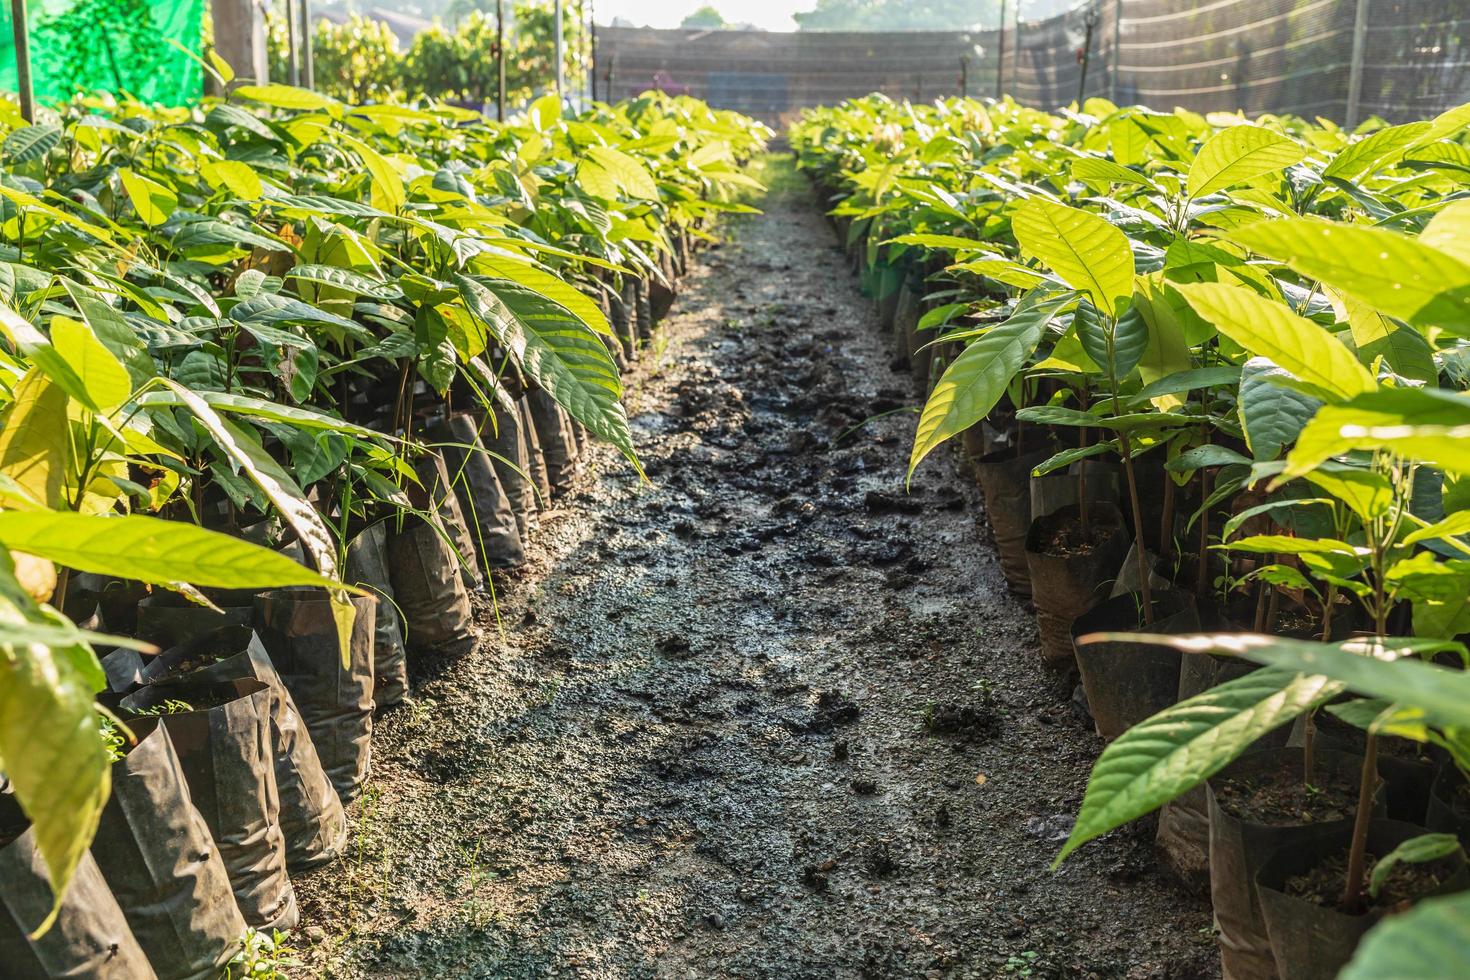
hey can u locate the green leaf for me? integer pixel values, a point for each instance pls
(50, 747)
(153, 201)
(1268, 329)
(975, 380)
(387, 191)
(557, 351)
(606, 172)
(1362, 156)
(1089, 254)
(285, 97)
(151, 550)
(234, 175)
(347, 279)
(1391, 272)
(1271, 415)
(104, 380)
(1240, 153)
(231, 403)
(35, 439)
(29, 143)
(950, 243)
(553, 287)
(1432, 939)
(1421, 423)
(1415, 850)
(1095, 170)
(1118, 344)
(1179, 748)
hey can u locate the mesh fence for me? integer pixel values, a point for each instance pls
(1342, 59)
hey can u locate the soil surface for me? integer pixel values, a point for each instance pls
(767, 716)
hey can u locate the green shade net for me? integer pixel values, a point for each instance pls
(111, 46)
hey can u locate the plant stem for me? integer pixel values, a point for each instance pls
(1166, 521)
(1352, 892)
(1202, 574)
(1143, 570)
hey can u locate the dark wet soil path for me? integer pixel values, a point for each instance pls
(768, 717)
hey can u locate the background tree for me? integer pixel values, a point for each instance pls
(706, 18)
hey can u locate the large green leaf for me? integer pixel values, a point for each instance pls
(553, 287)
(1391, 272)
(975, 380)
(50, 748)
(1240, 153)
(557, 351)
(1268, 329)
(151, 550)
(1375, 668)
(30, 143)
(1361, 157)
(1426, 424)
(1180, 747)
(1271, 414)
(35, 440)
(105, 382)
(1115, 345)
(153, 201)
(1089, 254)
(1432, 939)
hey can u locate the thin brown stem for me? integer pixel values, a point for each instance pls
(1352, 892)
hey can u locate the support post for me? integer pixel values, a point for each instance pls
(20, 29)
(293, 43)
(1000, 54)
(239, 37)
(1091, 20)
(1355, 71)
(592, 52)
(964, 76)
(308, 69)
(561, 67)
(500, 60)
(1116, 54)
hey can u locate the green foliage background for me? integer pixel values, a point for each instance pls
(112, 45)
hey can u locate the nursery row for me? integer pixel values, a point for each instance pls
(1210, 374)
(285, 381)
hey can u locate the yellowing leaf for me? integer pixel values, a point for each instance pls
(35, 439)
(103, 377)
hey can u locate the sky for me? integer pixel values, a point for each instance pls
(772, 15)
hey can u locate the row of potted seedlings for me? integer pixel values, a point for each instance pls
(1217, 451)
(305, 413)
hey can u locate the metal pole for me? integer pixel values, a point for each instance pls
(560, 66)
(1117, 52)
(592, 52)
(1355, 72)
(308, 72)
(293, 72)
(1086, 55)
(20, 30)
(500, 59)
(964, 76)
(1000, 55)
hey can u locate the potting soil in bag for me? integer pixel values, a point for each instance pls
(1127, 683)
(224, 745)
(535, 455)
(434, 482)
(157, 855)
(300, 635)
(1068, 570)
(558, 444)
(512, 461)
(482, 499)
(1240, 845)
(311, 816)
(367, 567)
(90, 938)
(430, 591)
(644, 310)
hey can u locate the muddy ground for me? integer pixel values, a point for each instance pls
(765, 717)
